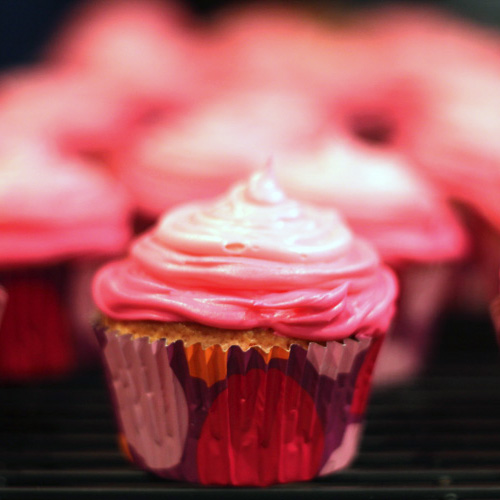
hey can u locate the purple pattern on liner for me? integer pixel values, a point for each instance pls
(331, 410)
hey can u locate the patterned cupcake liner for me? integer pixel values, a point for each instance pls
(424, 289)
(239, 417)
(35, 337)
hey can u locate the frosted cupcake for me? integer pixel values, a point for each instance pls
(453, 142)
(3, 302)
(404, 217)
(216, 144)
(146, 48)
(456, 148)
(58, 217)
(239, 337)
(77, 113)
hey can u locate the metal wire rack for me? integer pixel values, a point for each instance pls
(438, 438)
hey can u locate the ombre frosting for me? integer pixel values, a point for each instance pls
(252, 258)
(52, 207)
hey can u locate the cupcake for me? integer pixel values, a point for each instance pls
(78, 113)
(59, 217)
(201, 154)
(288, 46)
(239, 336)
(456, 65)
(147, 48)
(407, 220)
(3, 302)
(455, 147)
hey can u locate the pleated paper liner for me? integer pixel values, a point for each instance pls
(239, 417)
(35, 335)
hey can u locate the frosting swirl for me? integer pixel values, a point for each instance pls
(253, 258)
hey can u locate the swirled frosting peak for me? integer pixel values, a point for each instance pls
(252, 258)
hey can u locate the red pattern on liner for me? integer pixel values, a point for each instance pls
(247, 417)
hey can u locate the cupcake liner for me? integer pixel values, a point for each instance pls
(81, 308)
(3, 302)
(35, 337)
(495, 315)
(239, 417)
(476, 283)
(424, 290)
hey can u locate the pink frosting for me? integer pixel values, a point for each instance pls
(456, 144)
(147, 47)
(271, 45)
(456, 64)
(381, 198)
(203, 153)
(53, 207)
(77, 112)
(253, 258)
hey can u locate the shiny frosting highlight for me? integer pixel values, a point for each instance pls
(253, 258)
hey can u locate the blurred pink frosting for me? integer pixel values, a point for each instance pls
(53, 207)
(456, 65)
(148, 48)
(201, 154)
(266, 45)
(75, 112)
(252, 258)
(380, 196)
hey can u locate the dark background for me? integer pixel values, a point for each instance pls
(25, 25)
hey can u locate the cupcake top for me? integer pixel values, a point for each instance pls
(75, 111)
(147, 48)
(456, 65)
(53, 207)
(381, 197)
(455, 144)
(252, 258)
(203, 153)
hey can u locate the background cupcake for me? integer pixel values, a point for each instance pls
(58, 217)
(230, 312)
(199, 155)
(408, 221)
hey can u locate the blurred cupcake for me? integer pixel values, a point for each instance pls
(404, 217)
(456, 66)
(148, 49)
(239, 337)
(77, 113)
(3, 302)
(201, 154)
(58, 218)
(283, 46)
(457, 149)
